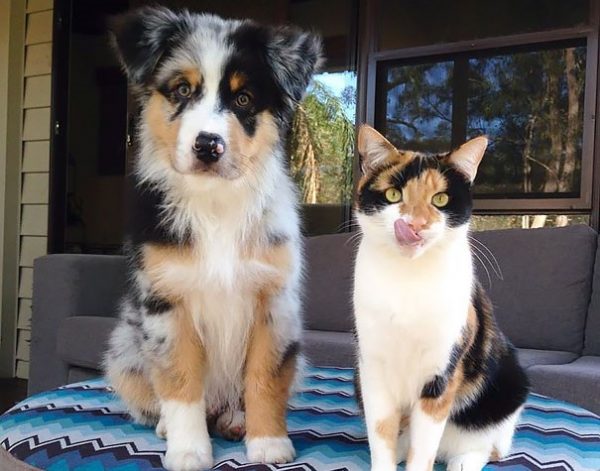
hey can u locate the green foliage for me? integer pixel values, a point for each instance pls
(321, 147)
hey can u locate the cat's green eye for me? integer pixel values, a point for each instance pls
(393, 195)
(440, 200)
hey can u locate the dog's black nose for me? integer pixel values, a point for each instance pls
(209, 147)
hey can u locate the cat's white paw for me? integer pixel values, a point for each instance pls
(198, 459)
(272, 450)
(384, 467)
(232, 425)
(473, 461)
(403, 447)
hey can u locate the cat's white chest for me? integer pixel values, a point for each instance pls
(409, 314)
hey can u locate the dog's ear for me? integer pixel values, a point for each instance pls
(295, 56)
(141, 37)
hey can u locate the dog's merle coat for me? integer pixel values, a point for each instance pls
(210, 326)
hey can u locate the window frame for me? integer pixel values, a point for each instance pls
(589, 199)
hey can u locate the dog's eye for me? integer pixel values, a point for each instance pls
(243, 100)
(184, 90)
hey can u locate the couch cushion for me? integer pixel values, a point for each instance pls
(592, 326)
(542, 301)
(84, 426)
(529, 357)
(82, 340)
(577, 382)
(329, 348)
(328, 287)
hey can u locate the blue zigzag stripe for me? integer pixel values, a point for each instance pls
(84, 427)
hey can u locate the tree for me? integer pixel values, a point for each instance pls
(321, 146)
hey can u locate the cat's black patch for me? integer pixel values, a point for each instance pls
(370, 200)
(460, 204)
(505, 389)
(435, 388)
(156, 305)
(505, 384)
(472, 362)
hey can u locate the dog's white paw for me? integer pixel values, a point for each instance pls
(161, 429)
(198, 459)
(232, 425)
(272, 450)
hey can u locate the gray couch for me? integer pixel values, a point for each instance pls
(548, 303)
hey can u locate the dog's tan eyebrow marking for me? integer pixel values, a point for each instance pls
(191, 76)
(237, 81)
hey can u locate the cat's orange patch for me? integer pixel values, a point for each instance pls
(417, 195)
(388, 430)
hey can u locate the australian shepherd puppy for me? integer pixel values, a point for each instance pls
(210, 326)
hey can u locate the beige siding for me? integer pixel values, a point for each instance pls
(39, 5)
(34, 219)
(23, 340)
(35, 163)
(24, 321)
(36, 157)
(35, 188)
(22, 369)
(37, 92)
(25, 282)
(37, 124)
(38, 59)
(39, 27)
(32, 248)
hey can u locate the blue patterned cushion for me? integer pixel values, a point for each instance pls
(84, 427)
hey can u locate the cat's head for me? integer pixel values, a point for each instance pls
(413, 200)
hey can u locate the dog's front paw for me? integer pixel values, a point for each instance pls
(197, 459)
(271, 450)
(161, 429)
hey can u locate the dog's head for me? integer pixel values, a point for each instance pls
(216, 94)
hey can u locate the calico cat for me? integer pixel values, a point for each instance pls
(437, 377)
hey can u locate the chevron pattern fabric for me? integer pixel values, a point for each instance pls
(83, 427)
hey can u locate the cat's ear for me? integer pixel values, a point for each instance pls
(373, 148)
(468, 156)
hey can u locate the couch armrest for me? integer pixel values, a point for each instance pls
(63, 286)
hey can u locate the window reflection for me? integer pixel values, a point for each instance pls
(529, 102)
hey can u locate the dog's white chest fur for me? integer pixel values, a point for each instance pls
(409, 313)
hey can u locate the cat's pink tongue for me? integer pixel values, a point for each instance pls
(404, 233)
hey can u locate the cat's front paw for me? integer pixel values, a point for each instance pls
(271, 450)
(196, 459)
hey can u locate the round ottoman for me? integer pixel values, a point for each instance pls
(83, 426)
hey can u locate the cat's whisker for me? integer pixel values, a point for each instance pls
(495, 266)
(485, 257)
(484, 267)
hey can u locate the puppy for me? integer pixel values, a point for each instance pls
(210, 326)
